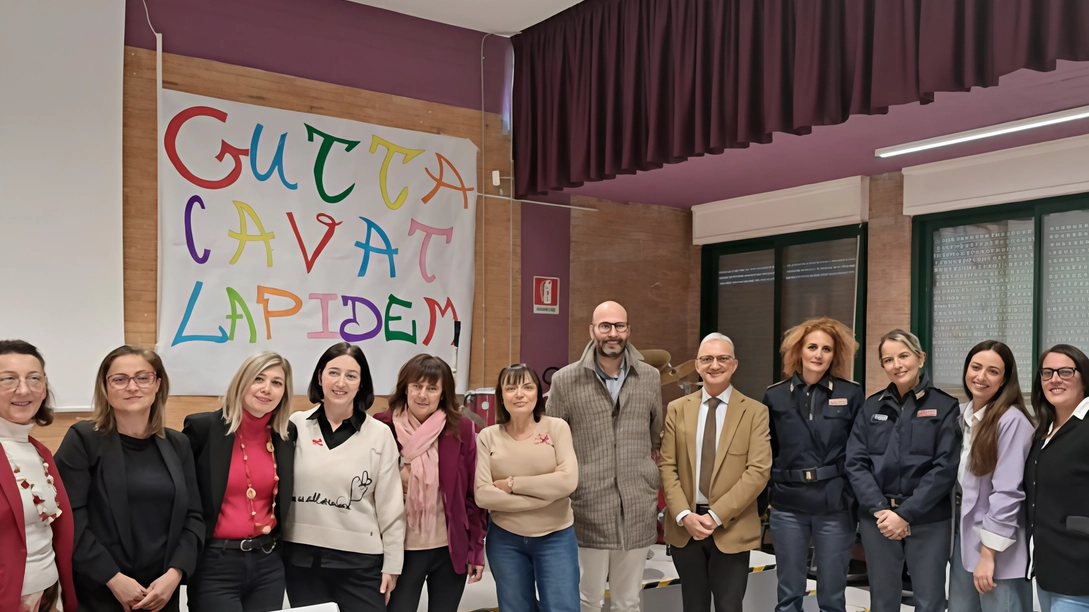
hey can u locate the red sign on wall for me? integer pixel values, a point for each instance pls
(546, 295)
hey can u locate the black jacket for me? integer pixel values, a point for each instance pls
(908, 453)
(809, 433)
(212, 448)
(92, 465)
(1057, 502)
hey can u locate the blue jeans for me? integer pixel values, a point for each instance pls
(1053, 602)
(1012, 595)
(833, 538)
(523, 567)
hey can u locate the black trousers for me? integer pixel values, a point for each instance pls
(95, 597)
(705, 570)
(353, 590)
(444, 584)
(236, 581)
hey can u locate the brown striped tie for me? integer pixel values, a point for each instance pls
(707, 450)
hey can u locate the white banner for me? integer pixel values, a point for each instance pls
(290, 232)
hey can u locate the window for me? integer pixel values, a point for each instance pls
(755, 290)
(1017, 273)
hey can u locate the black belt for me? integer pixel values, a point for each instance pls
(814, 474)
(265, 543)
(702, 509)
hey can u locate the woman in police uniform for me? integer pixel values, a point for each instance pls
(812, 411)
(902, 463)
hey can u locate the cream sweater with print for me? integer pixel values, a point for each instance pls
(348, 498)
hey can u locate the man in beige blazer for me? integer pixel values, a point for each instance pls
(716, 460)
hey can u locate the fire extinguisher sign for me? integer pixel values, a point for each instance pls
(546, 295)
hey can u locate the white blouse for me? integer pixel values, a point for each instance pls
(41, 568)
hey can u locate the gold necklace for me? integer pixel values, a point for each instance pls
(251, 493)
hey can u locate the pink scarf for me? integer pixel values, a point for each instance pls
(419, 445)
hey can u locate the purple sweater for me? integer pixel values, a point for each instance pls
(991, 505)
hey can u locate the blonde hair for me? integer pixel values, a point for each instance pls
(908, 339)
(102, 415)
(240, 384)
(844, 346)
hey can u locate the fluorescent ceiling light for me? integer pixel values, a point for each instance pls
(986, 132)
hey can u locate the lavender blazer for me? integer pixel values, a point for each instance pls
(465, 521)
(992, 503)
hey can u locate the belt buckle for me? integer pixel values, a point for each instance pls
(810, 475)
(243, 543)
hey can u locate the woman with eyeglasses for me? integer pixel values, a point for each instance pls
(812, 411)
(345, 531)
(987, 569)
(1057, 481)
(902, 462)
(133, 486)
(35, 515)
(444, 543)
(526, 471)
(245, 457)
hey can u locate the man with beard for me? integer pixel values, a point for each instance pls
(613, 404)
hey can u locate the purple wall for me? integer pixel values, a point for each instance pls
(334, 41)
(546, 251)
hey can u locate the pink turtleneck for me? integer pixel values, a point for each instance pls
(235, 518)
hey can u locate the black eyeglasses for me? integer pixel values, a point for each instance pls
(1064, 373)
(605, 326)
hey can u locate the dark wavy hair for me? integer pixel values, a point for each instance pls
(429, 369)
(364, 398)
(515, 375)
(1044, 410)
(984, 454)
(44, 415)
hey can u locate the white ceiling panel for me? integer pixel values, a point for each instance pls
(495, 16)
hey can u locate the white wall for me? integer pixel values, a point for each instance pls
(61, 287)
(1019, 174)
(809, 207)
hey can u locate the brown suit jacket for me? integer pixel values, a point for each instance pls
(741, 471)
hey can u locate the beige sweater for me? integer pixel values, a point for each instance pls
(545, 473)
(349, 497)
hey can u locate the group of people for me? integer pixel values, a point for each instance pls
(329, 504)
(991, 493)
(332, 504)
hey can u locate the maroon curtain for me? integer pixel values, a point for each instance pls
(611, 87)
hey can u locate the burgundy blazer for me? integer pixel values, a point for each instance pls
(13, 529)
(465, 521)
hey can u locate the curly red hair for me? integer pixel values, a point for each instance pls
(843, 341)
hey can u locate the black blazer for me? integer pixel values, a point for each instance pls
(91, 463)
(1057, 505)
(212, 447)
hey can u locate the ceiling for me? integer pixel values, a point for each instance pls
(495, 16)
(829, 152)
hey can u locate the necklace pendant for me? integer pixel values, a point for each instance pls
(269, 446)
(250, 493)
